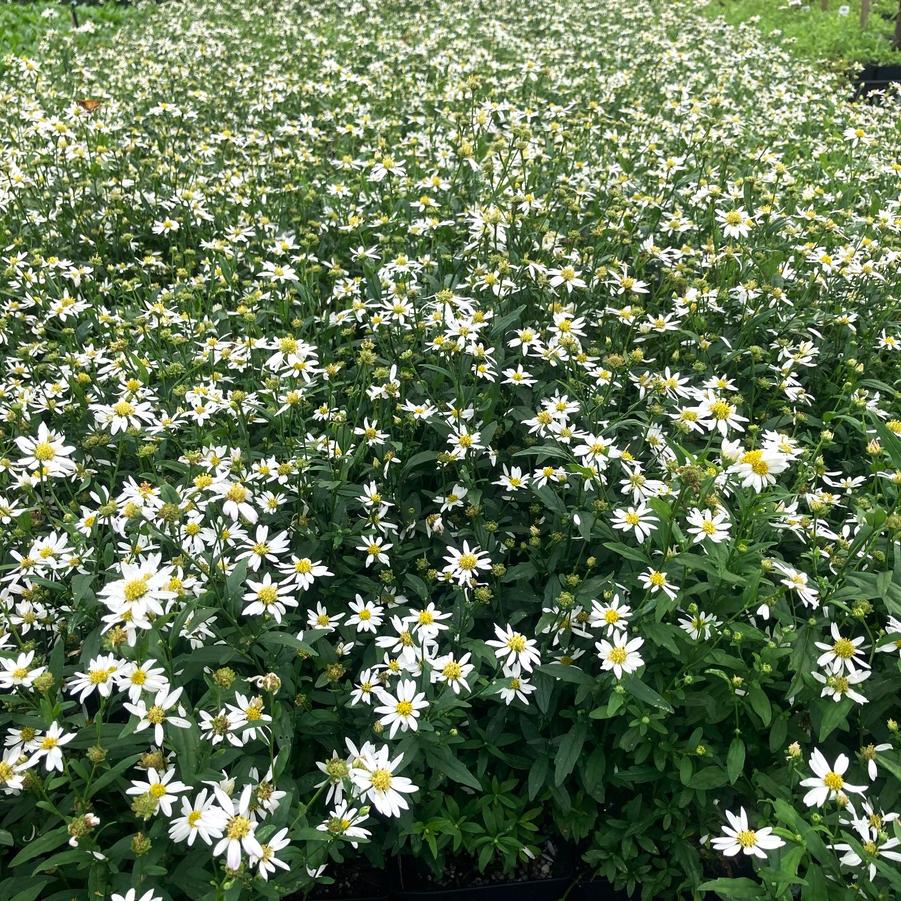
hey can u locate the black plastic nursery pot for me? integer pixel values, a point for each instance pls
(552, 889)
(406, 879)
(360, 882)
(875, 78)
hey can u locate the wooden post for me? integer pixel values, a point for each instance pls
(864, 14)
(824, 5)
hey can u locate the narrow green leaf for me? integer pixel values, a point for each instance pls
(446, 762)
(47, 842)
(569, 751)
(734, 888)
(760, 704)
(834, 716)
(623, 550)
(537, 775)
(645, 693)
(735, 759)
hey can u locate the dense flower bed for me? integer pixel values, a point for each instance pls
(432, 428)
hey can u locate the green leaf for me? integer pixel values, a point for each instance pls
(593, 769)
(417, 585)
(778, 731)
(834, 716)
(734, 888)
(47, 842)
(185, 742)
(706, 565)
(790, 859)
(275, 639)
(32, 892)
(812, 841)
(537, 775)
(569, 751)
(62, 858)
(760, 704)
(816, 887)
(645, 693)
(888, 439)
(446, 762)
(662, 634)
(551, 500)
(623, 550)
(709, 777)
(419, 459)
(889, 764)
(520, 572)
(735, 759)
(568, 673)
(105, 778)
(555, 453)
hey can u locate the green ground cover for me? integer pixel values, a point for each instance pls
(832, 35)
(22, 25)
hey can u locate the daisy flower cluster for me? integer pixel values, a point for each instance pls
(433, 430)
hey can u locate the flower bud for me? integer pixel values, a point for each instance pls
(140, 844)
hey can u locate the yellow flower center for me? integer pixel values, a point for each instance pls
(617, 656)
(516, 643)
(381, 780)
(44, 451)
(452, 670)
(833, 781)
(468, 562)
(267, 595)
(755, 460)
(747, 838)
(135, 589)
(238, 828)
(843, 648)
(236, 493)
(404, 708)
